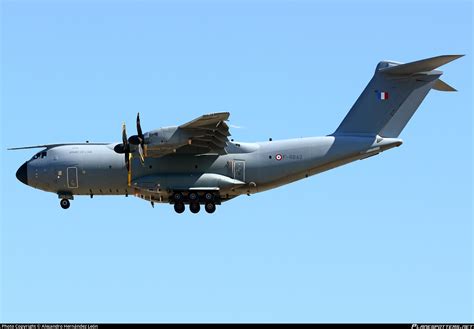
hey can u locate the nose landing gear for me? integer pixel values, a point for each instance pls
(65, 197)
(65, 203)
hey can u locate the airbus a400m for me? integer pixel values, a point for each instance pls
(195, 164)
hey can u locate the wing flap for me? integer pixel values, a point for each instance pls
(208, 132)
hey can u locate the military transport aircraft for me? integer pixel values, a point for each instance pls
(196, 164)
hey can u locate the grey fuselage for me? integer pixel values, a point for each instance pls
(91, 169)
(176, 161)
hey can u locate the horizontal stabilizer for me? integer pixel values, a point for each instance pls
(424, 65)
(442, 86)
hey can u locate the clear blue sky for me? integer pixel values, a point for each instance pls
(384, 239)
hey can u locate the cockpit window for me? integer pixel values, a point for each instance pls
(40, 155)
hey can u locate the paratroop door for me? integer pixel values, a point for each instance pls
(239, 170)
(72, 177)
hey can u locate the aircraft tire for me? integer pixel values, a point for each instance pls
(210, 207)
(179, 207)
(194, 207)
(209, 196)
(193, 196)
(65, 203)
(178, 196)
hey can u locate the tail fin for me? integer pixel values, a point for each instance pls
(393, 95)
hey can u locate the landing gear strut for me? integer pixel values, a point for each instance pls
(64, 203)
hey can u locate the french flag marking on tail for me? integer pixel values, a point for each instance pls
(382, 95)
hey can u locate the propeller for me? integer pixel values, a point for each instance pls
(125, 149)
(139, 140)
(125, 146)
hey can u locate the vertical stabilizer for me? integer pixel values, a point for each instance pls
(393, 95)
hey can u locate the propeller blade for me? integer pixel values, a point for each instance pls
(129, 169)
(139, 139)
(140, 151)
(127, 160)
(124, 135)
(125, 149)
(139, 127)
(141, 147)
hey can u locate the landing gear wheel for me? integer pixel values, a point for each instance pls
(194, 207)
(64, 203)
(193, 196)
(179, 207)
(209, 196)
(210, 207)
(178, 196)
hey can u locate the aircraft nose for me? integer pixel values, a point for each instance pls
(22, 173)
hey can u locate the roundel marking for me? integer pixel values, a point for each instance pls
(278, 157)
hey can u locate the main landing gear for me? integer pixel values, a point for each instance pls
(194, 207)
(210, 207)
(195, 199)
(179, 207)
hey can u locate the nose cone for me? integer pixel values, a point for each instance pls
(22, 174)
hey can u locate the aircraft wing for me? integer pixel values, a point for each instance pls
(206, 134)
(209, 132)
(49, 146)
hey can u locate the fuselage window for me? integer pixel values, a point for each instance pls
(39, 155)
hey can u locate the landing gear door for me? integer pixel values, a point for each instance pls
(239, 170)
(72, 177)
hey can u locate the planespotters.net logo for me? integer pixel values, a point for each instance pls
(442, 326)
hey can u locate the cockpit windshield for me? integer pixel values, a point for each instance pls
(39, 155)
